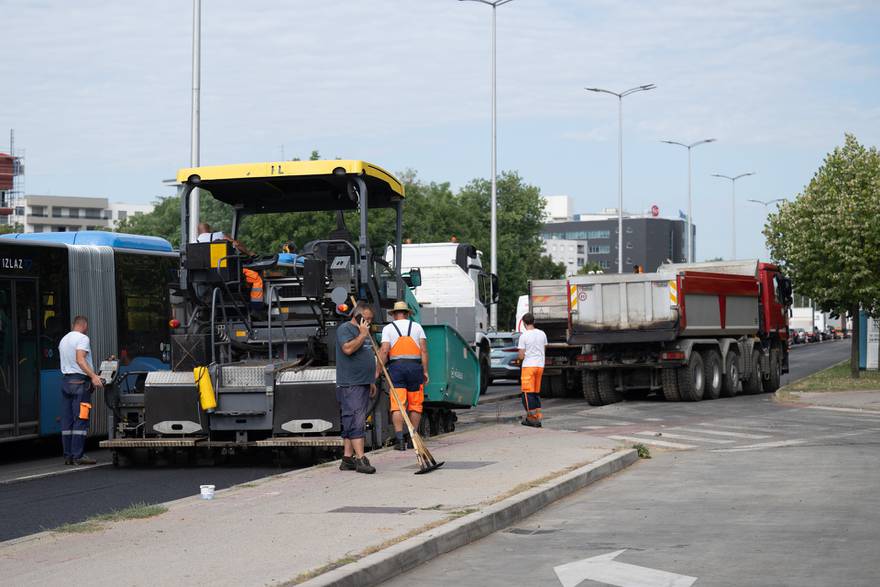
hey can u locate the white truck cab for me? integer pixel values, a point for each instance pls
(455, 290)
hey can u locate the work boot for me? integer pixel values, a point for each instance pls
(409, 442)
(68, 460)
(532, 423)
(84, 460)
(348, 464)
(400, 444)
(362, 465)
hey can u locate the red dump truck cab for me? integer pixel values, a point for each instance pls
(775, 301)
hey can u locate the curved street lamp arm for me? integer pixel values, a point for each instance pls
(676, 143)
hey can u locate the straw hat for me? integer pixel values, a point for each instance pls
(400, 307)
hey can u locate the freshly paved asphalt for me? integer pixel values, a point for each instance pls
(764, 494)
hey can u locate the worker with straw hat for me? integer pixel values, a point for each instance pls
(405, 350)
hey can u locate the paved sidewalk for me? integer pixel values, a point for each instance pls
(282, 528)
(849, 400)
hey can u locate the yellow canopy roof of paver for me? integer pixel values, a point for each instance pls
(285, 186)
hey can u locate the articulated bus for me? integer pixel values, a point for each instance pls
(119, 281)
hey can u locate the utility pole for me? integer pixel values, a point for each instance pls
(620, 96)
(733, 206)
(196, 114)
(493, 237)
(690, 218)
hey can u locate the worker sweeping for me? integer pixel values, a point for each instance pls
(405, 350)
(531, 346)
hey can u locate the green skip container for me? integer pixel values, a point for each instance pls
(453, 369)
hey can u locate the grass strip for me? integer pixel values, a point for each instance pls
(835, 378)
(136, 511)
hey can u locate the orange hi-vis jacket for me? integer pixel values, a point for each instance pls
(256, 282)
(405, 347)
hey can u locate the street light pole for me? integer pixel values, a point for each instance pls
(620, 96)
(690, 230)
(493, 238)
(196, 115)
(733, 205)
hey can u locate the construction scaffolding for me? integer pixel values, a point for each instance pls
(12, 184)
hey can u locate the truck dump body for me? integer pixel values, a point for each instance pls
(663, 306)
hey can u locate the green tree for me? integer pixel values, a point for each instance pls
(520, 250)
(11, 228)
(591, 266)
(828, 239)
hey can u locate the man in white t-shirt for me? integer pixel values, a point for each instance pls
(405, 345)
(78, 381)
(531, 355)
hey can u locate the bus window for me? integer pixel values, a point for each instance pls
(142, 304)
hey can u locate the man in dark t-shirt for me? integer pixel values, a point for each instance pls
(355, 385)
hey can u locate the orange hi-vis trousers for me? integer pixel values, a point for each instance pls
(531, 388)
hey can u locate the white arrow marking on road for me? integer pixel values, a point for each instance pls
(605, 569)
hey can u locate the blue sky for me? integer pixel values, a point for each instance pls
(98, 93)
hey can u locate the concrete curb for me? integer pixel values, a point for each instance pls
(399, 558)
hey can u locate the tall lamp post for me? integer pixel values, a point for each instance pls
(196, 114)
(620, 96)
(733, 206)
(493, 246)
(690, 230)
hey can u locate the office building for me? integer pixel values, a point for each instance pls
(71, 213)
(648, 240)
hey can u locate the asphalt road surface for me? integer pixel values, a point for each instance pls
(45, 502)
(740, 491)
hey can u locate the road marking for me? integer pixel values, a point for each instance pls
(763, 445)
(724, 433)
(861, 412)
(685, 437)
(611, 424)
(732, 427)
(795, 442)
(55, 473)
(653, 419)
(604, 569)
(660, 443)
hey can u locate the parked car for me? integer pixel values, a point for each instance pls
(798, 336)
(504, 356)
(813, 335)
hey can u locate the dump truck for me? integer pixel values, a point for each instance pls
(252, 372)
(454, 290)
(689, 331)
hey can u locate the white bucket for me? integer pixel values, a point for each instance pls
(207, 491)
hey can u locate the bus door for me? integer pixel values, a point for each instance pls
(19, 358)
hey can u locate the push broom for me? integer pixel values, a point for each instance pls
(424, 456)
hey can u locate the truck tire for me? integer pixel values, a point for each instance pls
(670, 385)
(590, 388)
(607, 391)
(546, 388)
(691, 379)
(713, 376)
(752, 381)
(485, 368)
(773, 383)
(731, 384)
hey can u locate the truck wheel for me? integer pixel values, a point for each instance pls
(752, 383)
(772, 384)
(607, 392)
(692, 380)
(484, 374)
(731, 383)
(712, 374)
(670, 385)
(590, 388)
